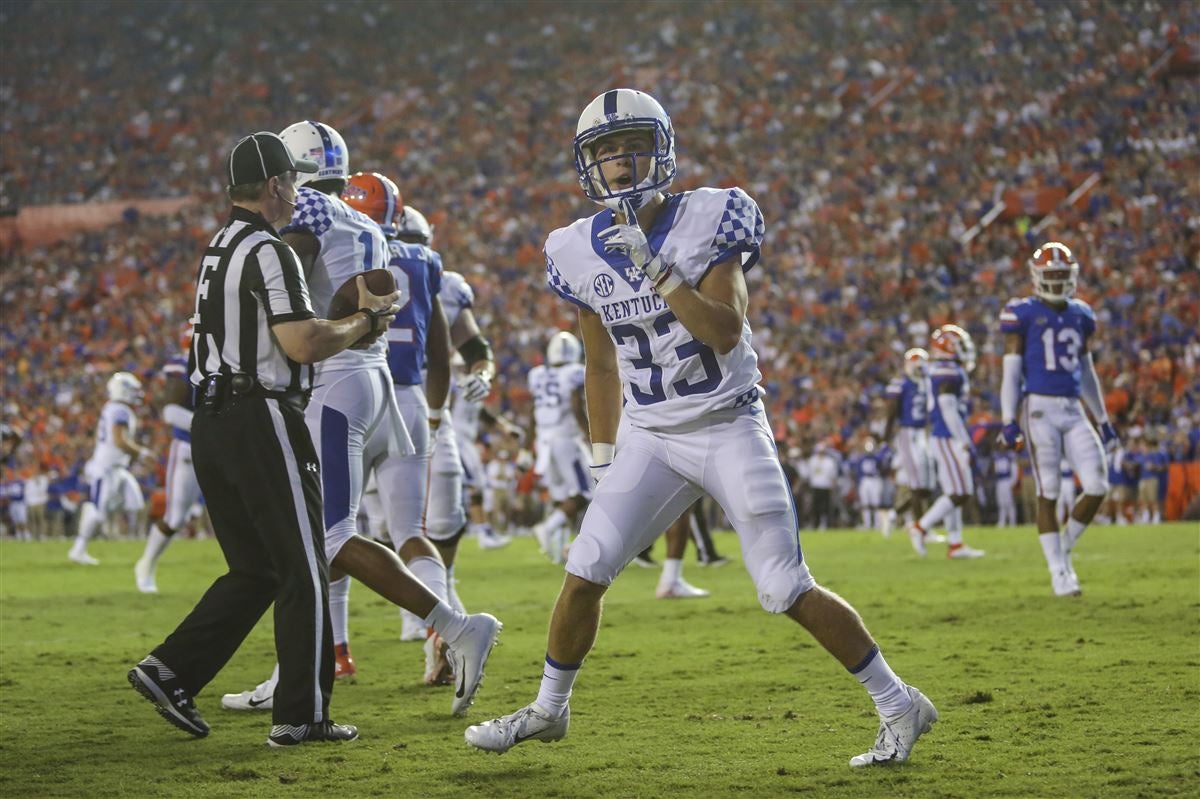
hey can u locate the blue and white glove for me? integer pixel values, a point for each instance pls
(1109, 437)
(476, 386)
(631, 241)
(602, 457)
(1011, 437)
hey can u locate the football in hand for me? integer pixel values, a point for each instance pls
(345, 300)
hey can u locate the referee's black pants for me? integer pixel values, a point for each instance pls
(257, 467)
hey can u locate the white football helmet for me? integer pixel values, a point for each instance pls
(916, 363)
(316, 141)
(951, 342)
(1055, 272)
(563, 348)
(411, 225)
(124, 387)
(617, 110)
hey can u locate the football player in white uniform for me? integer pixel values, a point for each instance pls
(560, 422)
(1047, 362)
(356, 425)
(112, 486)
(183, 490)
(658, 282)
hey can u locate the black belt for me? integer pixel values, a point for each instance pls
(217, 391)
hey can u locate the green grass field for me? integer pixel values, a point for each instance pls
(1039, 697)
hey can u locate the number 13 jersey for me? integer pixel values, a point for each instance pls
(668, 377)
(1054, 341)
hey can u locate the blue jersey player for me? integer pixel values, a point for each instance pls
(953, 360)
(1047, 361)
(907, 421)
(658, 282)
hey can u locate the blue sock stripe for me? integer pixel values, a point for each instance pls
(562, 666)
(865, 661)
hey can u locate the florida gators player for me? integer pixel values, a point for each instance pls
(1048, 360)
(560, 423)
(183, 490)
(112, 485)
(907, 426)
(418, 339)
(953, 359)
(356, 425)
(658, 282)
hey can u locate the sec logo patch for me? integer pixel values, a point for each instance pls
(604, 285)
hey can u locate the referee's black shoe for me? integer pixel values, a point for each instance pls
(154, 680)
(283, 735)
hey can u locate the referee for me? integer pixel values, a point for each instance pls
(253, 334)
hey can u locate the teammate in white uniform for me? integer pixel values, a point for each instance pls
(662, 302)
(356, 425)
(1046, 358)
(183, 490)
(1008, 474)
(112, 486)
(560, 422)
(953, 451)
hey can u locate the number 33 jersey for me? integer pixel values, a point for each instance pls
(351, 243)
(1054, 341)
(668, 377)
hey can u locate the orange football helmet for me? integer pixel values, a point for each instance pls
(1055, 272)
(951, 342)
(377, 197)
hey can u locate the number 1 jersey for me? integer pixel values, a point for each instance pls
(668, 377)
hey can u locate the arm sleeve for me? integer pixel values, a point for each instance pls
(177, 416)
(1089, 389)
(1010, 387)
(948, 404)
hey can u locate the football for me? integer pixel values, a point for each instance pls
(345, 300)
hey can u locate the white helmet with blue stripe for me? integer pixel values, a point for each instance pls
(124, 387)
(619, 110)
(563, 348)
(412, 226)
(320, 143)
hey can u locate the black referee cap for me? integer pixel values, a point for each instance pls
(261, 156)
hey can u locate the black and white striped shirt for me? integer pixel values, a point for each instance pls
(249, 279)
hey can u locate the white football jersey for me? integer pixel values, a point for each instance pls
(455, 295)
(107, 454)
(552, 387)
(668, 377)
(351, 243)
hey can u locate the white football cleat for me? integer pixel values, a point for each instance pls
(490, 539)
(957, 551)
(917, 536)
(680, 589)
(82, 558)
(144, 575)
(1065, 583)
(530, 723)
(261, 698)
(898, 734)
(469, 654)
(412, 628)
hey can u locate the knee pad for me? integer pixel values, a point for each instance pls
(1050, 489)
(779, 572)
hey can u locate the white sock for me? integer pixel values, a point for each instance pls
(156, 543)
(672, 572)
(555, 519)
(937, 511)
(432, 572)
(339, 609)
(448, 622)
(557, 681)
(882, 684)
(1052, 549)
(866, 518)
(452, 592)
(1074, 530)
(89, 521)
(954, 527)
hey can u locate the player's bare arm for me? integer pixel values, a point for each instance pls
(437, 357)
(601, 382)
(307, 248)
(126, 444)
(714, 311)
(313, 340)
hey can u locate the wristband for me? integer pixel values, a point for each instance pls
(372, 317)
(602, 454)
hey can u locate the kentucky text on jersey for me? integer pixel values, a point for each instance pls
(668, 377)
(1054, 341)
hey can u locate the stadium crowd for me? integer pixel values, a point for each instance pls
(874, 136)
